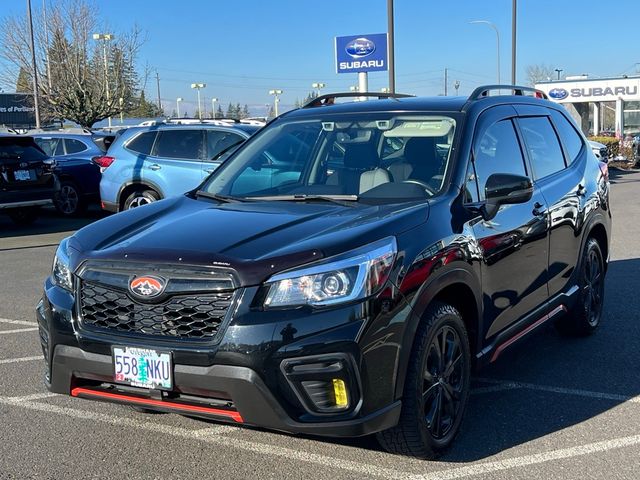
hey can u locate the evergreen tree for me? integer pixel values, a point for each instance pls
(23, 85)
(245, 111)
(238, 112)
(219, 112)
(230, 111)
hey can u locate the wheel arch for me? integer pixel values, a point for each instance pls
(127, 188)
(457, 285)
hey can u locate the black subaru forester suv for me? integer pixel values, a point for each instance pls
(343, 271)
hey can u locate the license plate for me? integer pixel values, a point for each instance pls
(21, 175)
(142, 367)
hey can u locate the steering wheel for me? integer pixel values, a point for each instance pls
(428, 188)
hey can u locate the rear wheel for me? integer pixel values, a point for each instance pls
(585, 316)
(23, 216)
(140, 198)
(68, 201)
(436, 388)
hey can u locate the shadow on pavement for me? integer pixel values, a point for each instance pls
(49, 222)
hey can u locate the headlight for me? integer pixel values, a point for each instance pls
(351, 276)
(61, 272)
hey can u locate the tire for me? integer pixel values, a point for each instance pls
(140, 198)
(427, 386)
(68, 201)
(23, 216)
(584, 318)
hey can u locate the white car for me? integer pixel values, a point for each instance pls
(600, 151)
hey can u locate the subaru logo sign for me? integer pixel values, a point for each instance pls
(558, 93)
(360, 47)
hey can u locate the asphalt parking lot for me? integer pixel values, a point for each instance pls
(551, 408)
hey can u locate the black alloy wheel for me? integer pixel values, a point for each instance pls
(68, 201)
(436, 388)
(443, 382)
(585, 317)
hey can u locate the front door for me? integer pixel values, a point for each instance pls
(514, 243)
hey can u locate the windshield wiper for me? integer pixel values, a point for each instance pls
(344, 200)
(225, 150)
(220, 198)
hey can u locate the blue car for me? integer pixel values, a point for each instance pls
(79, 175)
(150, 163)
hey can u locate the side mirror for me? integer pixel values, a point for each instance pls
(503, 189)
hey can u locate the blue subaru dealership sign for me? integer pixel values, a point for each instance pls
(361, 53)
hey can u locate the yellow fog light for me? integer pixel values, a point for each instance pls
(340, 393)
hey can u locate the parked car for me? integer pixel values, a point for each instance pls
(146, 164)
(27, 181)
(79, 175)
(600, 151)
(342, 271)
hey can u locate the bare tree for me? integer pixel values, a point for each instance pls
(74, 82)
(539, 73)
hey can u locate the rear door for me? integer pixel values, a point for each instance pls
(557, 173)
(514, 243)
(175, 164)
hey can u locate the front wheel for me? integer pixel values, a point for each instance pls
(436, 388)
(585, 316)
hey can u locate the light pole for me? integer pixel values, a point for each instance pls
(318, 86)
(558, 70)
(178, 100)
(121, 103)
(33, 64)
(514, 15)
(391, 47)
(105, 37)
(213, 106)
(199, 86)
(487, 22)
(276, 100)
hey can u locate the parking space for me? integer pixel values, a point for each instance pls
(551, 408)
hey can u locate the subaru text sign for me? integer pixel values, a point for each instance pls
(361, 53)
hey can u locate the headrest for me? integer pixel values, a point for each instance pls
(419, 149)
(360, 156)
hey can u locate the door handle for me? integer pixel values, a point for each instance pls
(155, 166)
(537, 212)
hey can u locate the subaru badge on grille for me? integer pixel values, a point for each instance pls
(147, 286)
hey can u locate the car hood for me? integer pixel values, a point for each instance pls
(256, 239)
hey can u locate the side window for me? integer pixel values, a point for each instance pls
(48, 145)
(219, 141)
(497, 151)
(571, 139)
(542, 145)
(74, 146)
(184, 144)
(59, 147)
(142, 143)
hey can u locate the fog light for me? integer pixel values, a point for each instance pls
(340, 393)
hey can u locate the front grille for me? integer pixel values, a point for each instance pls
(183, 316)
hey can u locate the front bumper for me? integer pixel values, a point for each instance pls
(233, 381)
(253, 403)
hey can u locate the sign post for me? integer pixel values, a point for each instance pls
(361, 54)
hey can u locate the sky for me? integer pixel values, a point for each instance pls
(242, 49)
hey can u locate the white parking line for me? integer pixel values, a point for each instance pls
(220, 440)
(20, 359)
(566, 391)
(495, 388)
(17, 322)
(28, 398)
(527, 460)
(17, 330)
(215, 430)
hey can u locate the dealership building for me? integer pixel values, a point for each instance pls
(599, 104)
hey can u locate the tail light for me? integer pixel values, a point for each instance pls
(103, 162)
(604, 168)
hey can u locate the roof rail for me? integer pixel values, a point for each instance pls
(329, 98)
(517, 90)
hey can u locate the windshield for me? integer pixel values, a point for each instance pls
(351, 157)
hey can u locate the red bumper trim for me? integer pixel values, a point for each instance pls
(118, 397)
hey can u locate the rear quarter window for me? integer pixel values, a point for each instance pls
(142, 143)
(570, 138)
